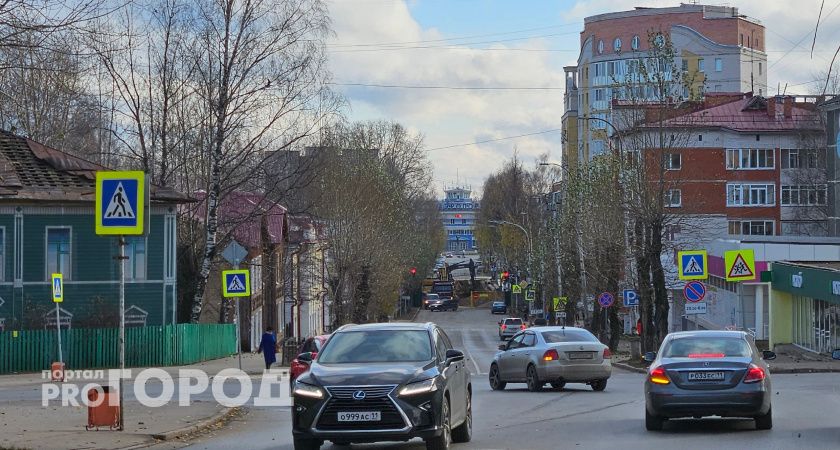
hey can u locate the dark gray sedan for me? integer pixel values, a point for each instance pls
(708, 373)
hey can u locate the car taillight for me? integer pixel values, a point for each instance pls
(551, 355)
(607, 353)
(754, 374)
(658, 376)
(504, 327)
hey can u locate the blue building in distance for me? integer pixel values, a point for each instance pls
(459, 212)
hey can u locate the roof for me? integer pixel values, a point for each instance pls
(304, 229)
(32, 171)
(707, 333)
(389, 326)
(241, 213)
(834, 266)
(750, 114)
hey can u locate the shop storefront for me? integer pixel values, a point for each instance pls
(805, 305)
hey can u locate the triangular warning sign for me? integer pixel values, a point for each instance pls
(740, 269)
(235, 285)
(693, 267)
(119, 206)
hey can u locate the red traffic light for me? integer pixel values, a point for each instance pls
(412, 271)
(505, 274)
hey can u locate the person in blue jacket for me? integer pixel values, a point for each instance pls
(268, 347)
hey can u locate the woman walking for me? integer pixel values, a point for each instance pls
(268, 347)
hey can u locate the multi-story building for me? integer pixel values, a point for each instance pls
(719, 50)
(459, 212)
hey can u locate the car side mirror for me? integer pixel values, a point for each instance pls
(649, 357)
(453, 355)
(502, 347)
(305, 357)
(768, 355)
(836, 354)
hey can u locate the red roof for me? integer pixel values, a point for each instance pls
(752, 114)
(241, 214)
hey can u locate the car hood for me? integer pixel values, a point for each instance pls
(370, 374)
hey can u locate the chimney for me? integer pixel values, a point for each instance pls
(771, 107)
(788, 107)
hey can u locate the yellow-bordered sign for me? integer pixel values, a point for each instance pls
(739, 265)
(120, 203)
(57, 288)
(516, 289)
(693, 265)
(236, 283)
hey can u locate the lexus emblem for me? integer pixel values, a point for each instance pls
(359, 395)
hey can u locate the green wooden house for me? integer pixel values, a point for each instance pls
(47, 226)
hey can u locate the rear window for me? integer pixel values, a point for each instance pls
(513, 321)
(706, 347)
(498, 304)
(373, 346)
(558, 336)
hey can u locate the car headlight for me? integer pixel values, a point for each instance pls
(420, 387)
(307, 390)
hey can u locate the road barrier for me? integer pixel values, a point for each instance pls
(93, 348)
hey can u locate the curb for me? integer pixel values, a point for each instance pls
(198, 426)
(628, 367)
(784, 371)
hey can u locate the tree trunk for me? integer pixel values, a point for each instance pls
(645, 291)
(660, 291)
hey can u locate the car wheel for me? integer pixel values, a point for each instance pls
(533, 379)
(307, 444)
(463, 433)
(558, 384)
(495, 377)
(653, 423)
(764, 421)
(598, 385)
(442, 442)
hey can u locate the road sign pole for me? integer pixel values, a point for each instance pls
(122, 330)
(58, 329)
(238, 330)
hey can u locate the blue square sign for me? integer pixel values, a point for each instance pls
(120, 202)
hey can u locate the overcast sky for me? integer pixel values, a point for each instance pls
(462, 45)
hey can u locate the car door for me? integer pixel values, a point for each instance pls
(457, 382)
(522, 355)
(507, 358)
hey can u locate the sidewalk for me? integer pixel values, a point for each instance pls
(789, 359)
(26, 424)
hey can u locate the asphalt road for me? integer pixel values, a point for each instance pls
(805, 411)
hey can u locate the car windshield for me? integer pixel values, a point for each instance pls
(706, 347)
(377, 346)
(513, 321)
(432, 297)
(558, 336)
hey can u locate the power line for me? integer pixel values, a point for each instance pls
(495, 41)
(506, 138)
(451, 88)
(804, 37)
(458, 38)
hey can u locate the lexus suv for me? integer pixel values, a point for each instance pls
(384, 382)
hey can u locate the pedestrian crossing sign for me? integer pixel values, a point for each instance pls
(516, 289)
(57, 288)
(236, 283)
(693, 265)
(740, 265)
(120, 203)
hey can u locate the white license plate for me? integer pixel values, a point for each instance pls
(359, 416)
(580, 355)
(705, 376)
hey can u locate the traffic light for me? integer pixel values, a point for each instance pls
(505, 275)
(412, 271)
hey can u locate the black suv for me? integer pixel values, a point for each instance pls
(384, 382)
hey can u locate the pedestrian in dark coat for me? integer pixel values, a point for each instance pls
(268, 347)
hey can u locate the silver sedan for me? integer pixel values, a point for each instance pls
(556, 355)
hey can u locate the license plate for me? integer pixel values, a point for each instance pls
(359, 416)
(580, 355)
(705, 376)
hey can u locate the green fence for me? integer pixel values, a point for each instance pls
(92, 348)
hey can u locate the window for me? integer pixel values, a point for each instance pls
(685, 65)
(700, 64)
(371, 346)
(750, 158)
(59, 257)
(751, 227)
(718, 64)
(601, 46)
(742, 39)
(135, 250)
(804, 195)
(600, 95)
(2, 254)
(617, 45)
(528, 340)
(673, 161)
(634, 43)
(759, 68)
(801, 158)
(750, 194)
(673, 198)
(599, 69)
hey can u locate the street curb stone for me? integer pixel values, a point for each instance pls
(628, 367)
(198, 426)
